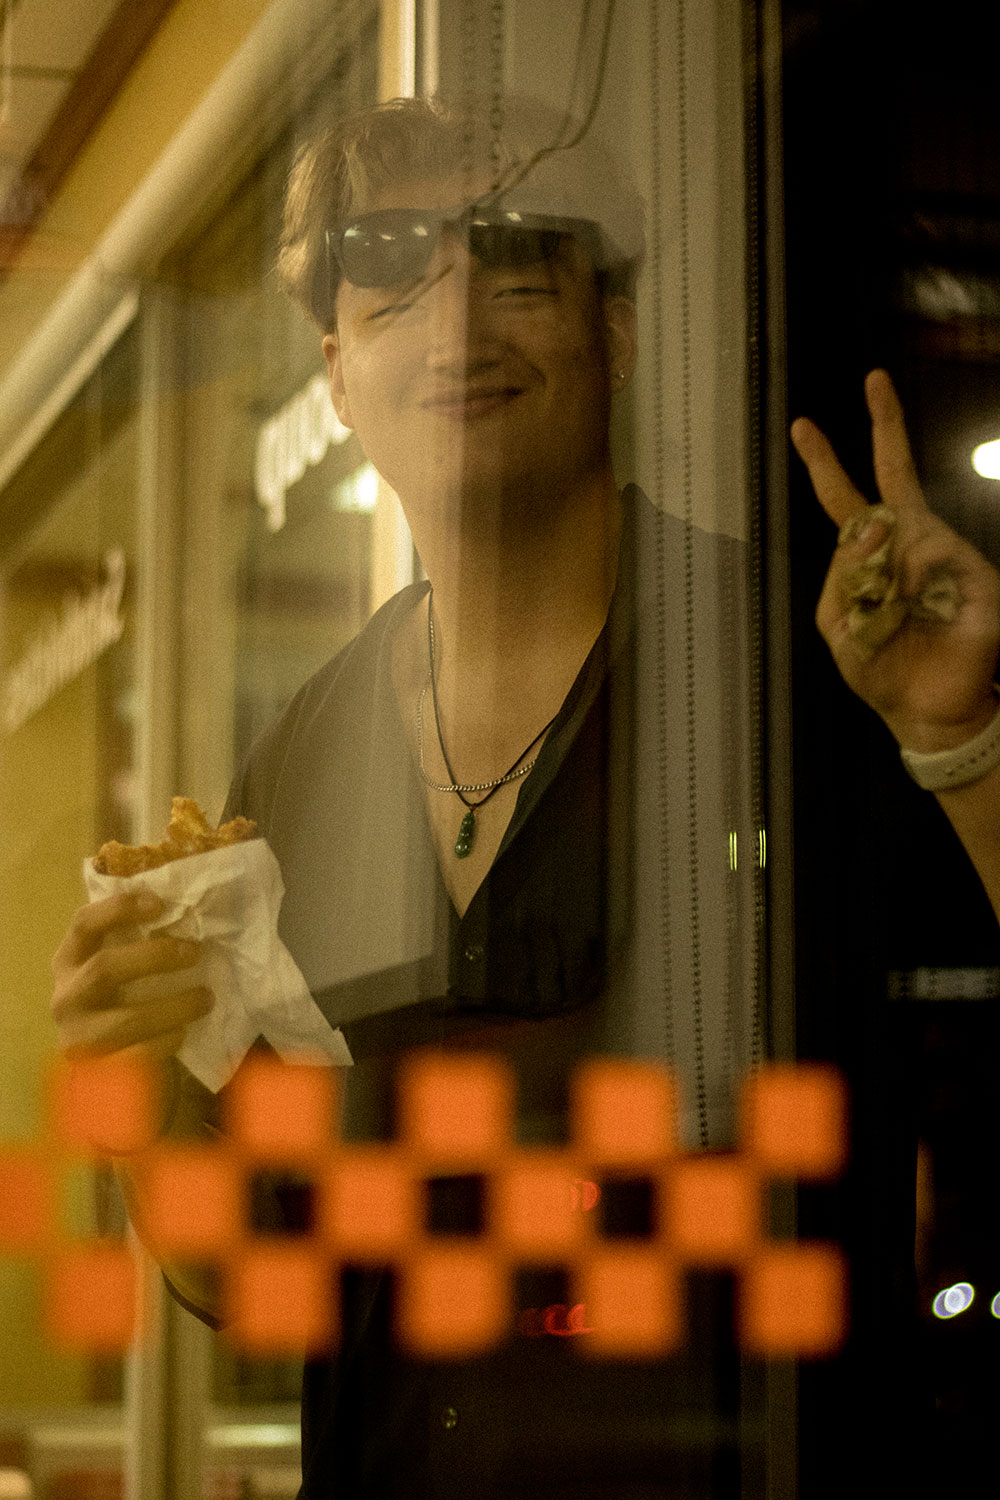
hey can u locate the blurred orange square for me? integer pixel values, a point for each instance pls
(633, 1304)
(536, 1206)
(794, 1120)
(91, 1299)
(454, 1301)
(193, 1201)
(455, 1107)
(108, 1105)
(624, 1113)
(792, 1301)
(279, 1299)
(712, 1209)
(25, 1202)
(281, 1112)
(369, 1204)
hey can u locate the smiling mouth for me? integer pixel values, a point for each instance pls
(468, 404)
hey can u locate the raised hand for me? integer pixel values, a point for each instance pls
(910, 611)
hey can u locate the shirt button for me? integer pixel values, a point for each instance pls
(449, 1418)
(474, 953)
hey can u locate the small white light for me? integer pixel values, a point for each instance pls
(953, 1300)
(986, 459)
(358, 491)
(995, 1306)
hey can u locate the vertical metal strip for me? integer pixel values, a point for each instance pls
(687, 485)
(469, 51)
(148, 1460)
(429, 48)
(158, 531)
(738, 751)
(497, 32)
(755, 535)
(407, 48)
(776, 559)
(6, 61)
(782, 1416)
(659, 497)
(168, 1379)
(397, 49)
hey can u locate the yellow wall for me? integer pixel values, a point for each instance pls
(52, 771)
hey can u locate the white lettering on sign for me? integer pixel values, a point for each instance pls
(87, 625)
(290, 442)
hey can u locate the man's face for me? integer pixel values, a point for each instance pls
(476, 381)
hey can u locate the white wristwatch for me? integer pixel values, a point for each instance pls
(944, 770)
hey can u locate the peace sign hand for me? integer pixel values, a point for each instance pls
(910, 611)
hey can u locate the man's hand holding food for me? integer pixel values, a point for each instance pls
(93, 967)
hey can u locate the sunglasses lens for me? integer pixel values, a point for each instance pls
(387, 249)
(511, 245)
(394, 247)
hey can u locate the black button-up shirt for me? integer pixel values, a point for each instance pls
(544, 967)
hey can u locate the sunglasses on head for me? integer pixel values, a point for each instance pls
(394, 246)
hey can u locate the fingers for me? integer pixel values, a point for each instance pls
(834, 490)
(92, 923)
(895, 471)
(156, 1025)
(91, 1006)
(96, 981)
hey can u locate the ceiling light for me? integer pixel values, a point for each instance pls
(986, 459)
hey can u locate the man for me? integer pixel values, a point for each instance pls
(453, 800)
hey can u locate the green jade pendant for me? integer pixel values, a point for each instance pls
(466, 833)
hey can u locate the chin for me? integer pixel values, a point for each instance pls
(459, 477)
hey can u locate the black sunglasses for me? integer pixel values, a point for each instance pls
(394, 245)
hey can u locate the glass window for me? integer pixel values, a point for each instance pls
(290, 540)
(282, 509)
(69, 587)
(661, 892)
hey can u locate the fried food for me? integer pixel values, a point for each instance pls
(187, 833)
(872, 600)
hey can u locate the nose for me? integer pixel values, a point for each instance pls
(459, 336)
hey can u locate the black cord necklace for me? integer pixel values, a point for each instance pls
(467, 830)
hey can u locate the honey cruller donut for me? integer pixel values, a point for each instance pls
(188, 832)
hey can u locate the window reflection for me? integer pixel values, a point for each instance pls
(69, 584)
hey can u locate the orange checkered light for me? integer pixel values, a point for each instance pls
(456, 1112)
(713, 1210)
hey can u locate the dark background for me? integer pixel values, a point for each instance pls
(891, 142)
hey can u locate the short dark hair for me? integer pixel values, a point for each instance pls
(347, 166)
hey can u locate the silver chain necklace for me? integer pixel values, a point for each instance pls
(467, 831)
(459, 786)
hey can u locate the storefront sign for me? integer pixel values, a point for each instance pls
(290, 442)
(87, 625)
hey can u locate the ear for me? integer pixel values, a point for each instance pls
(621, 333)
(338, 395)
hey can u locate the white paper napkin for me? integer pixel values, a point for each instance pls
(228, 899)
